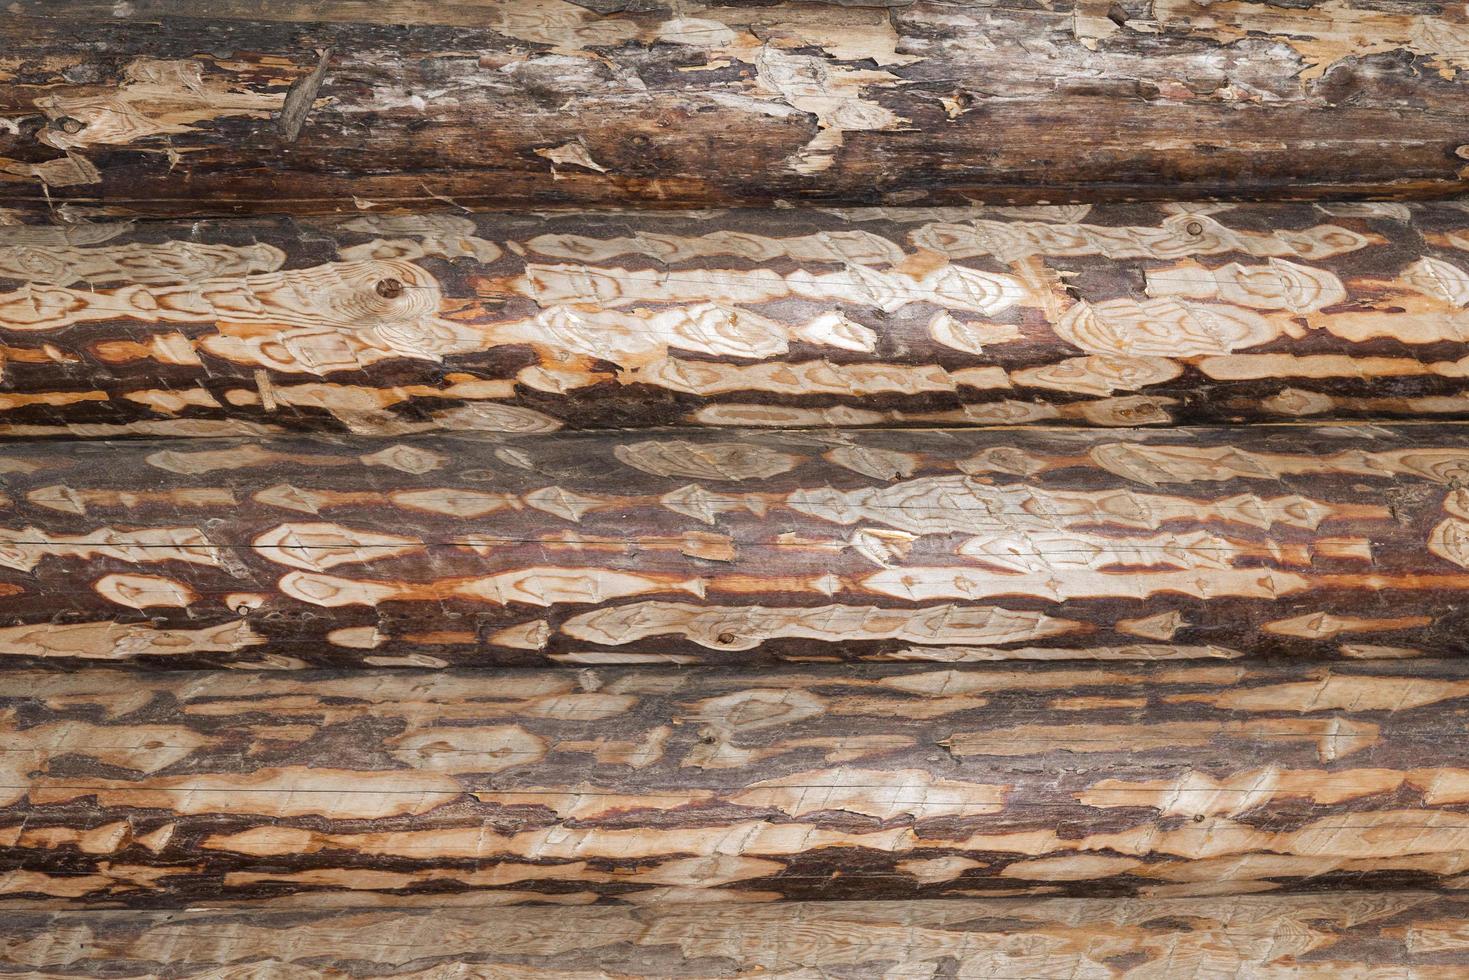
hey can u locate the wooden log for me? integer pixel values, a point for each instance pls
(1126, 315)
(1346, 934)
(651, 784)
(949, 545)
(156, 107)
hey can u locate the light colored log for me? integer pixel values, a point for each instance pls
(1105, 316)
(1342, 934)
(156, 107)
(649, 784)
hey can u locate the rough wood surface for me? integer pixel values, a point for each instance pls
(738, 547)
(1343, 934)
(654, 784)
(311, 106)
(1108, 316)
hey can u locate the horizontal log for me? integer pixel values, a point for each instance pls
(152, 107)
(1107, 316)
(1408, 934)
(651, 784)
(740, 547)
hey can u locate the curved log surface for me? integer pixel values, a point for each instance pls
(1344, 934)
(738, 547)
(308, 106)
(651, 784)
(1107, 316)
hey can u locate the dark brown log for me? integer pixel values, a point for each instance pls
(651, 784)
(736, 547)
(1123, 315)
(155, 106)
(1400, 934)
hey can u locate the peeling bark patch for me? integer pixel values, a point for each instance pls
(300, 98)
(829, 92)
(155, 98)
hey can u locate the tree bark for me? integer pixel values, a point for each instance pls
(651, 785)
(738, 548)
(1108, 316)
(309, 107)
(1343, 934)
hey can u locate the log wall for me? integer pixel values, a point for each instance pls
(932, 545)
(310, 106)
(1411, 934)
(380, 324)
(654, 785)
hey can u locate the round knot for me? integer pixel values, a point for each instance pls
(389, 288)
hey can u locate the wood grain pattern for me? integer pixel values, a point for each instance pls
(1399, 934)
(739, 547)
(651, 784)
(149, 107)
(1105, 316)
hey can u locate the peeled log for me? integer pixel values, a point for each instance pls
(389, 324)
(312, 106)
(1410, 934)
(649, 784)
(738, 547)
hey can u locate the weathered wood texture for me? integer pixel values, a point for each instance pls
(1123, 315)
(654, 784)
(696, 547)
(310, 106)
(1348, 935)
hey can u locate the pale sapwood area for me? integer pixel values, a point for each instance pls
(161, 107)
(1117, 316)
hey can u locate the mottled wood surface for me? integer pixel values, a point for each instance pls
(309, 106)
(1345, 935)
(738, 547)
(654, 784)
(1107, 316)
